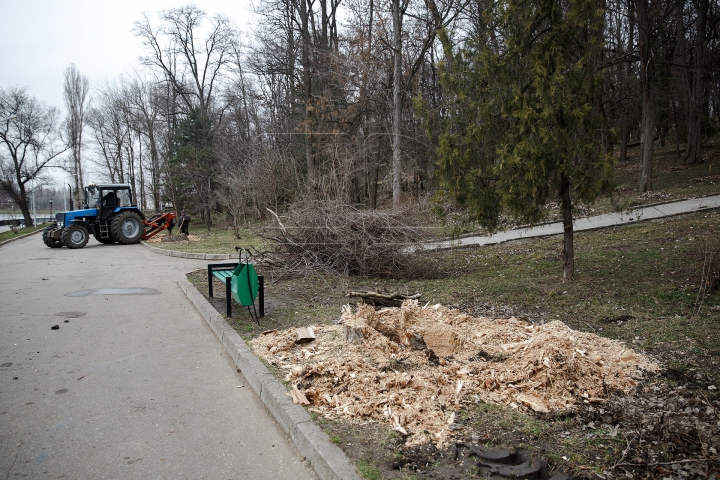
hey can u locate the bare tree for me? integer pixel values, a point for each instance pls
(31, 142)
(203, 61)
(398, 10)
(144, 102)
(110, 133)
(75, 93)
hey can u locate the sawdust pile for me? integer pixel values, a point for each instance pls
(414, 366)
(173, 238)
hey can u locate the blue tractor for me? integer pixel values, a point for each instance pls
(109, 215)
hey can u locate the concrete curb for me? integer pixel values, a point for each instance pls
(21, 236)
(328, 461)
(194, 256)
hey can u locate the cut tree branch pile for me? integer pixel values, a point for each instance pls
(340, 238)
(412, 367)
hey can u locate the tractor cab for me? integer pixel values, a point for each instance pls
(107, 198)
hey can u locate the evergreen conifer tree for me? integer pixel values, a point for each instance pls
(519, 128)
(192, 166)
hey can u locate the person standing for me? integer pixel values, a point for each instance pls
(184, 222)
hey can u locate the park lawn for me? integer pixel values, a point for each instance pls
(635, 283)
(213, 240)
(20, 232)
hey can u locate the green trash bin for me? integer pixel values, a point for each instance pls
(245, 284)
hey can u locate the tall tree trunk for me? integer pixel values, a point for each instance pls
(372, 190)
(680, 72)
(21, 200)
(624, 133)
(155, 169)
(75, 93)
(697, 100)
(568, 247)
(397, 102)
(648, 100)
(627, 70)
(366, 123)
(307, 86)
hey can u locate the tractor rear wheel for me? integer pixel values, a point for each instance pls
(75, 236)
(127, 228)
(48, 239)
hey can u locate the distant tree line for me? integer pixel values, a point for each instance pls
(504, 105)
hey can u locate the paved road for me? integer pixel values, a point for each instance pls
(134, 385)
(584, 223)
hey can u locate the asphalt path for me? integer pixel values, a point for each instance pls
(133, 383)
(634, 215)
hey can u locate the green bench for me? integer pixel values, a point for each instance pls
(241, 283)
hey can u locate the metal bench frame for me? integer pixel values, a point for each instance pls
(223, 272)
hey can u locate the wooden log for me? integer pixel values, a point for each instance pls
(304, 334)
(386, 296)
(384, 299)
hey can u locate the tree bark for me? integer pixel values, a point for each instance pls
(397, 103)
(307, 86)
(568, 246)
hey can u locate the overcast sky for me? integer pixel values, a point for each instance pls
(39, 39)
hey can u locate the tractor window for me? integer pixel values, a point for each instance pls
(93, 196)
(109, 198)
(123, 198)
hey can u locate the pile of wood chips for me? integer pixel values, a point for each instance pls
(173, 238)
(414, 366)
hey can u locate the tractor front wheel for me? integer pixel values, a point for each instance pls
(47, 236)
(75, 236)
(127, 228)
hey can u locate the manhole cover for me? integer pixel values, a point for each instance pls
(114, 291)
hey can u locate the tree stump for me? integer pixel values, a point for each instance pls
(354, 333)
